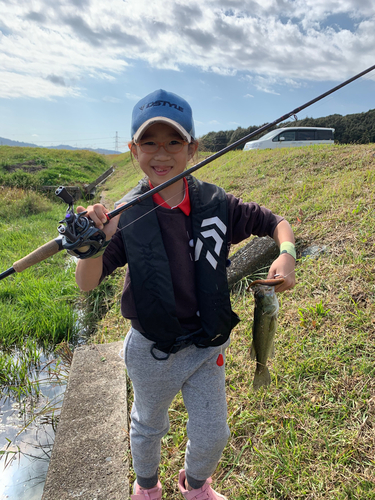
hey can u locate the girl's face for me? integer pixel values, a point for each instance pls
(162, 166)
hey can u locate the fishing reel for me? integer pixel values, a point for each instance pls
(79, 235)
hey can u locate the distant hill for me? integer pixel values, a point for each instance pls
(9, 142)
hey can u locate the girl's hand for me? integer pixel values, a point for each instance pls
(97, 214)
(283, 267)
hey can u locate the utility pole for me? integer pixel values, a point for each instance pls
(116, 142)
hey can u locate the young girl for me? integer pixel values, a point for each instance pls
(176, 295)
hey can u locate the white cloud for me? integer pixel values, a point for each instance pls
(47, 50)
(132, 97)
(110, 99)
(19, 85)
(103, 76)
(265, 84)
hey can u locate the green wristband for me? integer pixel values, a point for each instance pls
(288, 247)
(101, 251)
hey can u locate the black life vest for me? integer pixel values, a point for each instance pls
(151, 276)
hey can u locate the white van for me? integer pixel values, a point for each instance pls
(292, 137)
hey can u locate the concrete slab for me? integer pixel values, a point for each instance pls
(89, 455)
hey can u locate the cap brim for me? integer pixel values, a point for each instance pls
(161, 119)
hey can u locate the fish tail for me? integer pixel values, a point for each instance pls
(262, 378)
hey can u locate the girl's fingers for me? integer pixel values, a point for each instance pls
(290, 281)
(96, 213)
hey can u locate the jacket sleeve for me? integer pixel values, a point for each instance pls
(246, 219)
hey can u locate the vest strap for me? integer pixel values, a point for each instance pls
(181, 343)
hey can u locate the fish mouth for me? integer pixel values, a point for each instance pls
(267, 282)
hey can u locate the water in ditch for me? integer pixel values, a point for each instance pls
(27, 432)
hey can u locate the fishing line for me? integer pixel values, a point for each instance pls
(150, 211)
(284, 276)
(335, 98)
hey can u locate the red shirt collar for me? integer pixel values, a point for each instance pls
(184, 206)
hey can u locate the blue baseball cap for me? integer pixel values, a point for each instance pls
(163, 107)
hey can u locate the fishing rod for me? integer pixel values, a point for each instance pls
(80, 237)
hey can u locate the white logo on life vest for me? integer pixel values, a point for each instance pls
(211, 233)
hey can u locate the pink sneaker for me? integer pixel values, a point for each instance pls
(204, 493)
(151, 494)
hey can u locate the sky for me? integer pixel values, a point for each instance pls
(71, 71)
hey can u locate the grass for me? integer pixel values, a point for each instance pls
(33, 167)
(37, 301)
(38, 307)
(15, 371)
(41, 306)
(310, 435)
(125, 177)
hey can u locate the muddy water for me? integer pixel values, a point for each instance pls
(23, 473)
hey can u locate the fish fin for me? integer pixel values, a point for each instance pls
(253, 353)
(261, 378)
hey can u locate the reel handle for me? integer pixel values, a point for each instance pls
(62, 193)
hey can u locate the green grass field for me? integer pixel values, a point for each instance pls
(311, 434)
(34, 167)
(40, 306)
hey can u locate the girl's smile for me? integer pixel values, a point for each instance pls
(159, 170)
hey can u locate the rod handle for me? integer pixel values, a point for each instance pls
(41, 253)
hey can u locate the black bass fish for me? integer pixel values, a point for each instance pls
(264, 328)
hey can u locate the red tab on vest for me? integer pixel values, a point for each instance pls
(220, 360)
(184, 206)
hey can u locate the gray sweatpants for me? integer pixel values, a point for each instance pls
(201, 380)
